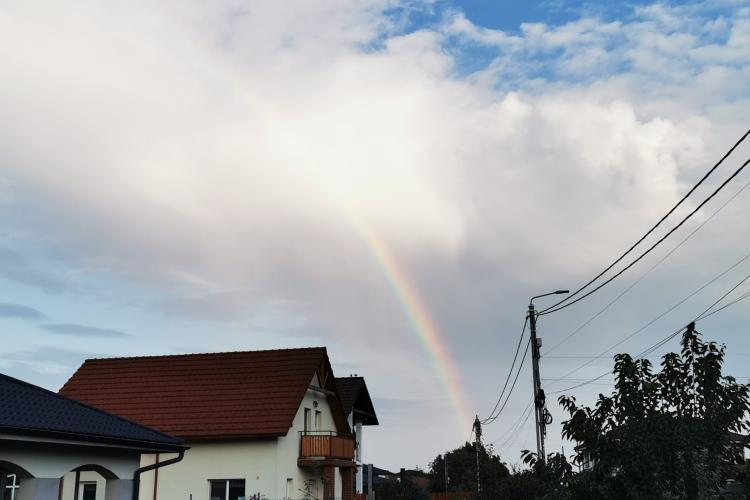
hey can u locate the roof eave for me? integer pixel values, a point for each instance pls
(95, 439)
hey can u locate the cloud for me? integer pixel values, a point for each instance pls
(8, 310)
(83, 331)
(236, 163)
(44, 366)
(17, 268)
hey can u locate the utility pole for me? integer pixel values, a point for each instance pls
(539, 399)
(477, 444)
(445, 470)
(541, 415)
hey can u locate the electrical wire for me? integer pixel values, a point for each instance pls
(658, 242)
(507, 398)
(655, 226)
(510, 372)
(664, 313)
(520, 423)
(512, 428)
(705, 314)
(657, 264)
(739, 299)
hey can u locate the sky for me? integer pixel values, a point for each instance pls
(391, 179)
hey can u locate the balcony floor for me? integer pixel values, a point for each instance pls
(322, 462)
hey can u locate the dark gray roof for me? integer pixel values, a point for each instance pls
(26, 409)
(355, 397)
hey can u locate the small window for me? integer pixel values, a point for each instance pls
(88, 491)
(308, 424)
(11, 487)
(318, 420)
(227, 489)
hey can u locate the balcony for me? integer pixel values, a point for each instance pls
(325, 448)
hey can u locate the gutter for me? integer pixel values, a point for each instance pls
(157, 465)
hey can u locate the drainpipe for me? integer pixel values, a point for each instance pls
(157, 465)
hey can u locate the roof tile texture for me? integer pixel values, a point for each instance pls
(26, 407)
(202, 396)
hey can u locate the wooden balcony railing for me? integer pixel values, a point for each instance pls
(326, 445)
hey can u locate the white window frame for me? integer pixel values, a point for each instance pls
(12, 485)
(226, 483)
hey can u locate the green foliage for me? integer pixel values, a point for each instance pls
(462, 471)
(662, 435)
(396, 490)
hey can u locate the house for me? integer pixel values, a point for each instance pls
(55, 448)
(260, 424)
(359, 411)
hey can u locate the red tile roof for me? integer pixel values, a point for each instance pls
(207, 396)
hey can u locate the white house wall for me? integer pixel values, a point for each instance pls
(52, 461)
(265, 465)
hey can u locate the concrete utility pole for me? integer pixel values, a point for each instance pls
(539, 403)
(541, 415)
(477, 443)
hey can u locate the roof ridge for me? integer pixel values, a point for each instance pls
(216, 353)
(14, 380)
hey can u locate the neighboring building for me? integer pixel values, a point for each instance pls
(54, 448)
(359, 411)
(379, 476)
(262, 424)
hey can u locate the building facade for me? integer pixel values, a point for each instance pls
(55, 448)
(360, 412)
(259, 425)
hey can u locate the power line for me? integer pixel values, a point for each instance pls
(664, 313)
(510, 373)
(716, 191)
(739, 299)
(520, 423)
(705, 314)
(653, 228)
(507, 398)
(657, 264)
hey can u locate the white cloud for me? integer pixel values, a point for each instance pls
(226, 152)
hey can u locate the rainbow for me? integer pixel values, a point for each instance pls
(423, 325)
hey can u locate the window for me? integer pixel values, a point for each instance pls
(318, 420)
(307, 419)
(88, 491)
(227, 489)
(11, 487)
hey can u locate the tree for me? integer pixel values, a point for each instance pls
(400, 490)
(667, 434)
(462, 471)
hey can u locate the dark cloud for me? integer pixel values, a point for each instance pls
(83, 331)
(15, 267)
(8, 310)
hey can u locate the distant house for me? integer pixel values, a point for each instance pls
(54, 448)
(260, 424)
(359, 411)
